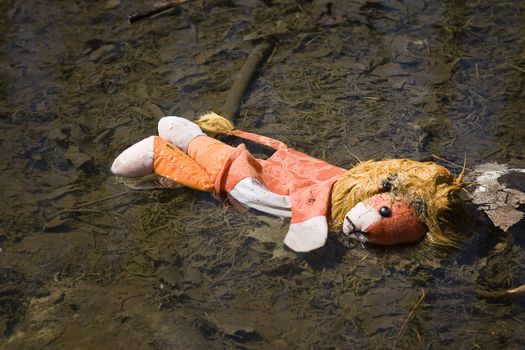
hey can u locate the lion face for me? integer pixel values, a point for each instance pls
(398, 201)
(384, 219)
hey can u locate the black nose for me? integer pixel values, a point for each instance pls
(385, 211)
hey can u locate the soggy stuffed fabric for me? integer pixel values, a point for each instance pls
(306, 180)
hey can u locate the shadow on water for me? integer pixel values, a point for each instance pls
(87, 262)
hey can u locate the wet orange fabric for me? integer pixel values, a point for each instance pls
(263, 140)
(209, 153)
(211, 165)
(401, 227)
(306, 180)
(171, 162)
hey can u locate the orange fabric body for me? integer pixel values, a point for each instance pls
(212, 165)
(306, 180)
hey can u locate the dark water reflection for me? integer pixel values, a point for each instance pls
(87, 262)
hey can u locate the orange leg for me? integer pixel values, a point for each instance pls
(171, 162)
(209, 153)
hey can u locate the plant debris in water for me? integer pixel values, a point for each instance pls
(88, 262)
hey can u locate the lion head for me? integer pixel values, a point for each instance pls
(428, 190)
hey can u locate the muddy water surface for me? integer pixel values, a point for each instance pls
(88, 262)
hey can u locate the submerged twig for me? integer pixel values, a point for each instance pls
(519, 69)
(352, 154)
(103, 199)
(157, 8)
(409, 317)
(87, 204)
(256, 58)
(513, 292)
(452, 163)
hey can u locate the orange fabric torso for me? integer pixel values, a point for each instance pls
(307, 180)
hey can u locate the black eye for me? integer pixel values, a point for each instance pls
(385, 211)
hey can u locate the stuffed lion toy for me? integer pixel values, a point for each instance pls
(389, 202)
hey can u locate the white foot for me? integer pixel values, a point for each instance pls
(179, 131)
(307, 235)
(136, 160)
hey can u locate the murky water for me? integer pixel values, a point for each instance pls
(86, 262)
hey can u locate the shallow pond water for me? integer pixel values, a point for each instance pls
(88, 262)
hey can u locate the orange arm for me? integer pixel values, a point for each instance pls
(263, 140)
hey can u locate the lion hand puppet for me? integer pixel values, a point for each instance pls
(389, 202)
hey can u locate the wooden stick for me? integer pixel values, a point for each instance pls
(157, 8)
(256, 58)
(451, 163)
(514, 292)
(409, 317)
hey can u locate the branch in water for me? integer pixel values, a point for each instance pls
(514, 292)
(409, 318)
(157, 8)
(256, 58)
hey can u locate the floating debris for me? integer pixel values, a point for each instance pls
(499, 192)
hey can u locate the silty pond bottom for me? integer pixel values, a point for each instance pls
(87, 262)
